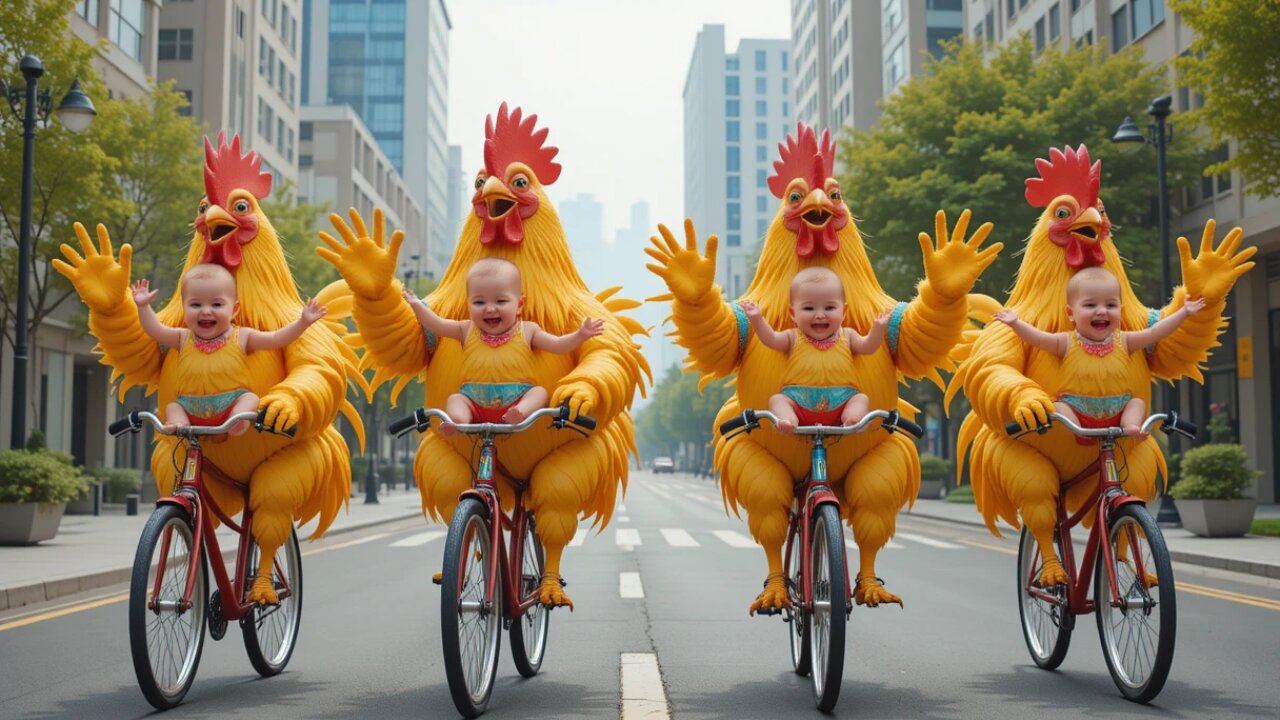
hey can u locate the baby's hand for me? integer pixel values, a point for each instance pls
(409, 297)
(1008, 316)
(1193, 306)
(751, 309)
(882, 320)
(313, 311)
(142, 294)
(591, 328)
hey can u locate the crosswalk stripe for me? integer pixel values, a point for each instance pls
(734, 539)
(629, 585)
(579, 536)
(891, 545)
(925, 540)
(679, 538)
(419, 539)
(627, 536)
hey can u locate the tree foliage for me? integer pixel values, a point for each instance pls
(296, 224)
(1234, 62)
(680, 413)
(966, 133)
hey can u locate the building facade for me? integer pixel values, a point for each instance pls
(737, 109)
(389, 61)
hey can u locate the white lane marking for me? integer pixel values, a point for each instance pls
(629, 585)
(660, 492)
(419, 539)
(627, 536)
(624, 518)
(643, 697)
(890, 545)
(579, 536)
(734, 539)
(679, 538)
(925, 540)
(622, 507)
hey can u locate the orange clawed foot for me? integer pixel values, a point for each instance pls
(551, 593)
(870, 592)
(1052, 574)
(262, 592)
(774, 595)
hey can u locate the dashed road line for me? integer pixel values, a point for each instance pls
(627, 536)
(734, 539)
(629, 586)
(419, 539)
(679, 538)
(643, 697)
(925, 540)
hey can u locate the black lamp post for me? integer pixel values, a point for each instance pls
(31, 106)
(1159, 135)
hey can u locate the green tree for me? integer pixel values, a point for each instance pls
(965, 134)
(1234, 61)
(681, 413)
(296, 224)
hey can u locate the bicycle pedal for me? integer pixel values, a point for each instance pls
(769, 611)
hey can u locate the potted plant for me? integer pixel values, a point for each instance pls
(1210, 494)
(34, 488)
(934, 472)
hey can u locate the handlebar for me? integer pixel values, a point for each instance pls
(420, 420)
(891, 422)
(1169, 423)
(133, 423)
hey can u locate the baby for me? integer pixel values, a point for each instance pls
(497, 382)
(1100, 351)
(815, 388)
(212, 367)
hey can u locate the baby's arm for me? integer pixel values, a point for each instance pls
(1056, 343)
(540, 339)
(456, 329)
(780, 341)
(276, 339)
(1164, 328)
(869, 343)
(161, 333)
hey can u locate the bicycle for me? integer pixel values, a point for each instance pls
(168, 607)
(481, 583)
(814, 565)
(1137, 623)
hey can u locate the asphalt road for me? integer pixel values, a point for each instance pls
(370, 643)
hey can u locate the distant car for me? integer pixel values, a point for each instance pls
(664, 465)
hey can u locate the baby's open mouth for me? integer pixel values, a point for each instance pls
(492, 322)
(821, 326)
(1101, 324)
(207, 324)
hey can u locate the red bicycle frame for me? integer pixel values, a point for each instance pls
(811, 492)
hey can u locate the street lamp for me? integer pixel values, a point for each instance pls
(31, 105)
(1159, 134)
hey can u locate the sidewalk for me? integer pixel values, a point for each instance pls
(1251, 554)
(93, 552)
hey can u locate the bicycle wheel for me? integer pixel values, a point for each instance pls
(1046, 626)
(1138, 636)
(529, 629)
(271, 631)
(469, 627)
(797, 617)
(164, 639)
(830, 597)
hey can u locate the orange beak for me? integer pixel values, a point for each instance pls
(219, 223)
(817, 209)
(497, 198)
(1088, 226)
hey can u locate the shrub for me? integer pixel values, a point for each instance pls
(1214, 472)
(933, 467)
(117, 483)
(962, 494)
(38, 477)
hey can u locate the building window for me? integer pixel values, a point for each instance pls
(288, 147)
(762, 85)
(1055, 22)
(762, 227)
(762, 203)
(304, 131)
(731, 85)
(731, 62)
(990, 25)
(762, 179)
(240, 23)
(892, 11)
(762, 131)
(762, 60)
(733, 216)
(1039, 35)
(762, 107)
(175, 44)
(786, 85)
(733, 186)
(262, 56)
(734, 240)
(127, 26)
(895, 67)
(88, 9)
(731, 131)
(1146, 13)
(1012, 9)
(762, 153)
(1120, 28)
(732, 159)
(731, 108)
(1075, 6)
(185, 110)
(784, 61)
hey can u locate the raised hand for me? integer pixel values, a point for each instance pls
(753, 311)
(143, 295)
(686, 272)
(1193, 306)
(1213, 272)
(591, 328)
(103, 283)
(882, 320)
(312, 311)
(367, 264)
(409, 296)
(953, 265)
(1008, 316)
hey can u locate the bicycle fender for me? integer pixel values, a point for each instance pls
(477, 494)
(1115, 502)
(825, 497)
(181, 501)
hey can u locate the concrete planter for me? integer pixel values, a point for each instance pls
(931, 488)
(29, 523)
(1217, 518)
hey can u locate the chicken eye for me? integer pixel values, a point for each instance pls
(479, 181)
(794, 196)
(835, 194)
(1062, 213)
(241, 206)
(203, 206)
(520, 182)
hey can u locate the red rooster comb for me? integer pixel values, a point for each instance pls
(802, 157)
(225, 169)
(512, 139)
(1066, 173)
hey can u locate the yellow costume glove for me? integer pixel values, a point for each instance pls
(102, 282)
(688, 274)
(953, 266)
(1213, 272)
(368, 266)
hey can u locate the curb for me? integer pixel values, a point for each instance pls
(44, 591)
(1190, 558)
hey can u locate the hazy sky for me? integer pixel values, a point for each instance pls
(605, 76)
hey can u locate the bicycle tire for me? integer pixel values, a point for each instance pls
(830, 597)
(1115, 624)
(471, 643)
(529, 629)
(1046, 627)
(271, 632)
(157, 637)
(797, 618)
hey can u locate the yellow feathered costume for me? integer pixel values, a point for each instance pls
(1005, 379)
(290, 479)
(512, 219)
(876, 473)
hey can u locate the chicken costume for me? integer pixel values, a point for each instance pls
(875, 473)
(1005, 379)
(512, 219)
(302, 386)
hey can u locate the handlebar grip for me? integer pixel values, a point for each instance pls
(1180, 425)
(291, 432)
(1014, 428)
(585, 422)
(400, 426)
(748, 417)
(909, 426)
(124, 424)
